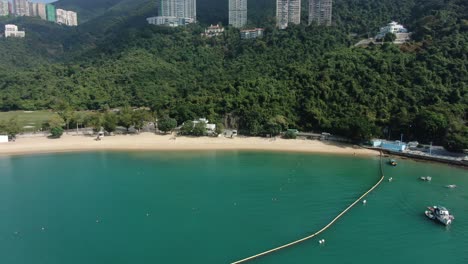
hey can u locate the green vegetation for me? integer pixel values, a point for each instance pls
(167, 124)
(27, 121)
(306, 77)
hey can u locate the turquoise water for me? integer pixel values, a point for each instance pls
(218, 207)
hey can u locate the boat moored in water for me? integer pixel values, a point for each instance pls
(451, 186)
(427, 178)
(392, 162)
(440, 214)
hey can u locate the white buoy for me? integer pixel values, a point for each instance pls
(323, 240)
(43, 228)
(364, 202)
(147, 214)
(320, 242)
(390, 179)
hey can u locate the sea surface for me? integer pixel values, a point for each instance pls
(219, 207)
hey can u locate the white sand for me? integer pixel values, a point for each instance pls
(149, 141)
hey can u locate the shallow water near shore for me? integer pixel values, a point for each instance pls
(222, 206)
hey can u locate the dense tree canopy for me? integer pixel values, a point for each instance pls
(306, 77)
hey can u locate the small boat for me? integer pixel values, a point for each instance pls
(427, 178)
(392, 162)
(440, 214)
(451, 186)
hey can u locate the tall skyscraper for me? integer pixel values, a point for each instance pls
(32, 9)
(4, 8)
(21, 7)
(178, 8)
(51, 13)
(288, 11)
(41, 11)
(237, 13)
(320, 12)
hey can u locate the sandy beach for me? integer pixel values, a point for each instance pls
(149, 141)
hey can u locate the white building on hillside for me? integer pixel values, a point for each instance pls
(169, 21)
(213, 31)
(11, 31)
(401, 33)
(252, 33)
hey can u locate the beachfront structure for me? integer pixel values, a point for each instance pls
(401, 33)
(288, 11)
(210, 128)
(238, 13)
(21, 7)
(11, 31)
(178, 8)
(4, 8)
(320, 12)
(51, 13)
(41, 11)
(213, 31)
(252, 33)
(169, 21)
(3, 139)
(396, 146)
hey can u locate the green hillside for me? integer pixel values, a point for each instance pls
(306, 77)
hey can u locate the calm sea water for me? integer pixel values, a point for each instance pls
(218, 207)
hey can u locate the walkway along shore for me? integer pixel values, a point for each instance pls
(324, 228)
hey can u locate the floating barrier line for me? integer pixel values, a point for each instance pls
(324, 228)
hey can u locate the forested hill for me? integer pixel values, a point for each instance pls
(306, 77)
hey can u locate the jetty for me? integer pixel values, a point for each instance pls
(382, 176)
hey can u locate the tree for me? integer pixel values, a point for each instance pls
(109, 122)
(187, 128)
(290, 135)
(12, 127)
(389, 37)
(199, 129)
(125, 117)
(219, 128)
(56, 132)
(167, 124)
(139, 117)
(272, 128)
(54, 121)
(78, 119)
(95, 121)
(64, 110)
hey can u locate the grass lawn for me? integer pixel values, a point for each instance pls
(29, 121)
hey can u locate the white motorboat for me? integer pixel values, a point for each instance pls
(440, 214)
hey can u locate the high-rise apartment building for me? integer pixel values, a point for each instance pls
(72, 18)
(41, 11)
(237, 13)
(178, 8)
(4, 11)
(32, 9)
(65, 17)
(21, 7)
(50, 12)
(61, 16)
(288, 11)
(320, 12)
